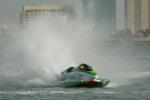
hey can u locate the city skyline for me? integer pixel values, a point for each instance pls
(10, 10)
(117, 15)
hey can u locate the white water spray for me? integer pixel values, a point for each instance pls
(37, 53)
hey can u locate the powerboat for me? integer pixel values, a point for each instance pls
(82, 76)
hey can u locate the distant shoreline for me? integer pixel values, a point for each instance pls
(147, 38)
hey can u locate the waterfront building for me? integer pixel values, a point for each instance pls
(35, 10)
(102, 13)
(120, 15)
(133, 15)
(137, 15)
(145, 14)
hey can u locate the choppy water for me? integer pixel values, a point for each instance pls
(136, 89)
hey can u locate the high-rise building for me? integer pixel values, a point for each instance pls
(145, 14)
(137, 15)
(35, 10)
(120, 15)
(133, 15)
(102, 13)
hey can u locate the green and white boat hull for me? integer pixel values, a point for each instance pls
(77, 77)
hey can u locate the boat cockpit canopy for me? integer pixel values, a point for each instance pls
(85, 67)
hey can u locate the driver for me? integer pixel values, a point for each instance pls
(85, 67)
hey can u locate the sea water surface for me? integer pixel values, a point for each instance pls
(139, 90)
(136, 89)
